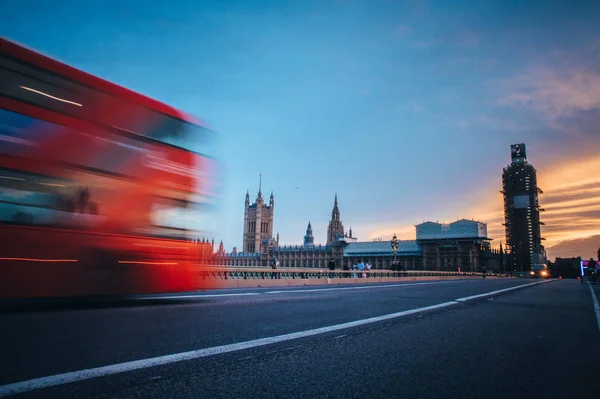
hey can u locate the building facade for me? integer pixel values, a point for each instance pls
(260, 247)
(258, 222)
(522, 211)
(462, 245)
(379, 254)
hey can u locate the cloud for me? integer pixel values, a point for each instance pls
(415, 106)
(562, 95)
(571, 199)
(385, 231)
(450, 37)
(490, 122)
(563, 98)
(403, 31)
(586, 247)
(478, 63)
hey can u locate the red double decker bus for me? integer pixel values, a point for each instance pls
(98, 184)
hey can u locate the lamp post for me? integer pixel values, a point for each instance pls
(471, 261)
(394, 244)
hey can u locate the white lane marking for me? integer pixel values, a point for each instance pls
(596, 305)
(468, 298)
(360, 287)
(74, 376)
(196, 296)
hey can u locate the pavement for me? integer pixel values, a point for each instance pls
(464, 338)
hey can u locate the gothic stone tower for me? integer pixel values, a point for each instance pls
(309, 240)
(258, 222)
(336, 228)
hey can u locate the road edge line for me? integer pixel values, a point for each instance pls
(596, 305)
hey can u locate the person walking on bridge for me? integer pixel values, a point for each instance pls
(331, 266)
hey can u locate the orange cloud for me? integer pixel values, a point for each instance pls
(555, 93)
(571, 198)
(402, 230)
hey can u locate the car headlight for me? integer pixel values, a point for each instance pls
(532, 273)
(544, 273)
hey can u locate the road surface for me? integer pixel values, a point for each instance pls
(423, 339)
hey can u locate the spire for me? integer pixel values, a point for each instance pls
(350, 233)
(247, 197)
(336, 228)
(272, 199)
(335, 213)
(259, 198)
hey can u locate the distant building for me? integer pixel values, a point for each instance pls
(447, 247)
(258, 221)
(460, 245)
(443, 247)
(260, 247)
(309, 240)
(336, 228)
(380, 254)
(522, 211)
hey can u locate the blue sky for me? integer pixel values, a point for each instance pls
(406, 109)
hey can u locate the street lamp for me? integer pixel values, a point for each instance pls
(394, 243)
(471, 261)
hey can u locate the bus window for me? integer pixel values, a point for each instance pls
(185, 135)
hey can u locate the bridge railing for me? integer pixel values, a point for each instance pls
(255, 273)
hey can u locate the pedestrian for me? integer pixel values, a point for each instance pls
(346, 269)
(331, 266)
(274, 267)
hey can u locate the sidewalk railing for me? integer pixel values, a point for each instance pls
(254, 273)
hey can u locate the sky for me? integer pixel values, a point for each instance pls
(405, 109)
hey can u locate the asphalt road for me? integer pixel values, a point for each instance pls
(533, 341)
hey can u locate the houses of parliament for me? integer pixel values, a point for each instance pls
(259, 246)
(460, 245)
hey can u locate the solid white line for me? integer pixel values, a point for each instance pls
(360, 287)
(196, 296)
(596, 305)
(67, 378)
(468, 298)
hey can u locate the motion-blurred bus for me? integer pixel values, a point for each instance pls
(97, 184)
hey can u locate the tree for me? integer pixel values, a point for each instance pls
(599, 253)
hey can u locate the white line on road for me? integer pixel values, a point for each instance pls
(468, 298)
(596, 305)
(360, 287)
(81, 375)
